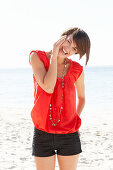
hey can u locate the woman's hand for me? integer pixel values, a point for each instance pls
(78, 132)
(57, 44)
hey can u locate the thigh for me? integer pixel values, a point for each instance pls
(47, 163)
(68, 162)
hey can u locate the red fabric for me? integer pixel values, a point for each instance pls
(69, 121)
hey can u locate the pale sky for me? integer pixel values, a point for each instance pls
(36, 24)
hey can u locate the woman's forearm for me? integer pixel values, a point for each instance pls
(80, 105)
(51, 75)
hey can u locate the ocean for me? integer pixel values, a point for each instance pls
(16, 101)
(16, 87)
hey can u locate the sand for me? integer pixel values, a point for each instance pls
(16, 140)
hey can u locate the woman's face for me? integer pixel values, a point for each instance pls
(69, 47)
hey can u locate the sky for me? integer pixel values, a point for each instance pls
(27, 25)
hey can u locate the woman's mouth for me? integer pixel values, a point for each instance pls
(64, 52)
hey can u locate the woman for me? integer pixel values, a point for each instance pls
(55, 116)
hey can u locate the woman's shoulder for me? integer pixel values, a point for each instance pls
(76, 70)
(42, 55)
(76, 65)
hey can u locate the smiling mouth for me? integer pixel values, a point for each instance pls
(64, 51)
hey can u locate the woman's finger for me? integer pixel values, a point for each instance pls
(61, 40)
(78, 132)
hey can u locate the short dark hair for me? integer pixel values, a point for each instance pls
(82, 40)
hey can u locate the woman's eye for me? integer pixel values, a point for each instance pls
(68, 41)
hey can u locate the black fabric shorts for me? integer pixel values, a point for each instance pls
(47, 144)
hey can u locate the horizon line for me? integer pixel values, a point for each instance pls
(31, 67)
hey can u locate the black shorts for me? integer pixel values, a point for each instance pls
(47, 144)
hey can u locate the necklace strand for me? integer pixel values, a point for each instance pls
(61, 108)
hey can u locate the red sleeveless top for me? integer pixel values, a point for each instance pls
(69, 119)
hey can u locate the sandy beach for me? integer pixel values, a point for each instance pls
(16, 140)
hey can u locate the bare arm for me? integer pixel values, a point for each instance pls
(40, 72)
(80, 87)
(51, 75)
(46, 79)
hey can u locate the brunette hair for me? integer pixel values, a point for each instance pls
(82, 40)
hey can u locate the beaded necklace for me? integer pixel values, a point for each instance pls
(50, 106)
